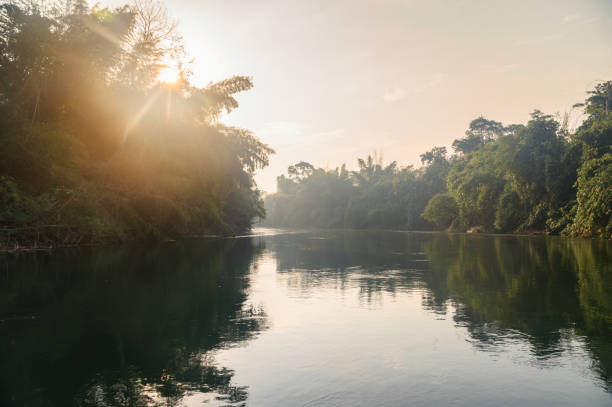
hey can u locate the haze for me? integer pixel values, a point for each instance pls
(337, 80)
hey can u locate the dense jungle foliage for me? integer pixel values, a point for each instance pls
(96, 148)
(539, 177)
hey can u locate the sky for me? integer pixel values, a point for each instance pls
(336, 80)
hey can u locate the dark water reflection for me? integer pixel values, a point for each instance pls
(126, 327)
(325, 318)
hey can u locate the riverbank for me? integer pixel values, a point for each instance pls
(50, 237)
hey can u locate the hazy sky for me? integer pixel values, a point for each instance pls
(339, 79)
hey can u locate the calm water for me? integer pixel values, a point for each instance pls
(311, 319)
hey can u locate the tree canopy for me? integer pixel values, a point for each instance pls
(95, 147)
(537, 177)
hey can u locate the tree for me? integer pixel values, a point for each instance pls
(92, 143)
(436, 154)
(300, 171)
(505, 178)
(480, 132)
(441, 210)
(594, 199)
(153, 43)
(599, 103)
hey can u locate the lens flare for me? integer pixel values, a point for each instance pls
(168, 75)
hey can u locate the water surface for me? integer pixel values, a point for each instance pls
(332, 318)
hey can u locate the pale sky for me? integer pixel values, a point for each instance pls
(336, 80)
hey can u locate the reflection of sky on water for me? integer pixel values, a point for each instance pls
(312, 318)
(377, 335)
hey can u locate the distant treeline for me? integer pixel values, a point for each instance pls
(539, 177)
(94, 148)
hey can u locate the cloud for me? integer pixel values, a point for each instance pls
(284, 134)
(393, 95)
(435, 79)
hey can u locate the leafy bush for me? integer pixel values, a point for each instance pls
(442, 210)
(594, 198)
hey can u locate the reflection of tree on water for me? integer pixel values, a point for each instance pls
(522, 284)
(375, 261)
(505, 289)
(542, 291)
(129, 326)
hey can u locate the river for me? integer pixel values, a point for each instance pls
(325, 318)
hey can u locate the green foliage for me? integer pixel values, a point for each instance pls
(375, 196)
(593, 209)
(481, 132)
(16, 207)
(95, 149)
(476, 185)
(310, 198)
(442, 210)
(594, 198)
(507, 215)
(536, 177)
(518, 181)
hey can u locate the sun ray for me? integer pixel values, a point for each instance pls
(169, 75)
(143, 110)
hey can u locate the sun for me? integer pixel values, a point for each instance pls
(168, 75)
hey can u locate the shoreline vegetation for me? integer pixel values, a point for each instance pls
(539, 178)
(42, 239)
(104, 138)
